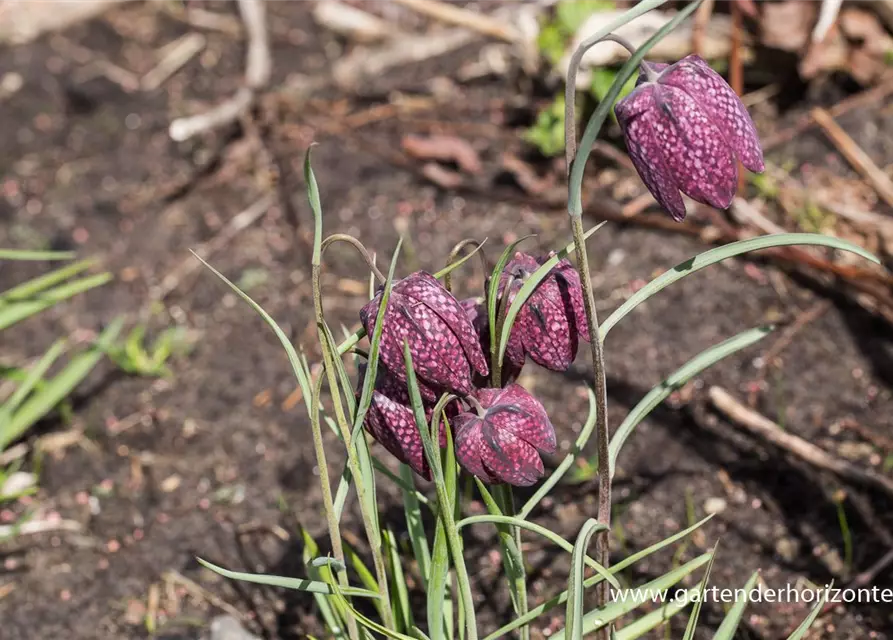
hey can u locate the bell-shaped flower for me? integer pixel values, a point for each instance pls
(552, 320)
(685, 130)
(443, 343)
(390, 420)
(502, 440)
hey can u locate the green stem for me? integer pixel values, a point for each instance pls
(375, 546)
(454, 255)
(356, 244)
(495, 360)
(328, 505)
(507, 503)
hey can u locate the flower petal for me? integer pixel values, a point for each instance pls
(638, 117)
(467, 427)
(425, 288)
(516, 411)
(393, 426)
(546, 332)
(572, 296)
(699, 159)
(509, 458)
(722, 105)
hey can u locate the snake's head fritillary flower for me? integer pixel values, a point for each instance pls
(685, 130)
(477, 313)
(503, 441)
(390, 420)
(442, 341)
(552, 320)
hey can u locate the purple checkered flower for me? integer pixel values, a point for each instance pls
(390, 420)
(502, 442)
(443, 343)
(477, 313)
(685, 129)
(552, 320)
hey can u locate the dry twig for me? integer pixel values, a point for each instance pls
(461, 17)
(794, 445)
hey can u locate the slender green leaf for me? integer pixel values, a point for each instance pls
(693, 367)
(804, 626)
(338, 593)
(730, 623)
(21, 254)
(16, 309)
(300, 584)
(59, 387)
(614, 569)
(719, 254)
(696, 609)
(493, 287)
(33, 377)
(415, 526)
(574, 611)
(36, 285)
(438, 620)
(403, 612)
(332, 614)
(545, 533)
(653, 619)
(458, 263)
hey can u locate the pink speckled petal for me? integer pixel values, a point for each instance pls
(547, 336)
(638, 117)
(467, 427)
(518, 412)
(699, 159)
(393, 425)
(722, 105)
(572, 294)
(508, 458)
(425, 288)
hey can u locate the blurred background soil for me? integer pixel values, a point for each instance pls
(215, 461)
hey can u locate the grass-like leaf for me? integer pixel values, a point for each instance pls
(696, 609)
(300, 584)
(15, 308)
(403, 610)
(693, 367)
(800, 631)
(41, 283)
(59, 387)
(653, 619)
(719, 254)
(22, 254)
(493, 290)
(31, 380)
(574, 610)
(589, 582)
(730, 623)
(415, 526)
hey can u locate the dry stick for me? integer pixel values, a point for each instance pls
(864, 99)
(176, 54)
(796, 446)
(258, 66)
(699, 26)
(236, 225)
(460, 17)
(854, 154)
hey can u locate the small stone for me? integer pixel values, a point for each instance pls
(715, 505)
(228, 628)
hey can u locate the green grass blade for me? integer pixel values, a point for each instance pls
(33, 377)
(493, 287)
(549, 535)
(574, 611)
(458, 263)
(300, 584)
(59, 387)
(15, 309)
(332, 615)
(440, 624)
(589, 582)
(36, 285)
(22, 254)
(598, 618)
(529, 287)
(403, 610)
(415, 526)
(696, 609)
(693, 367)
(730, 623)
(556, 476)
(654, 619)
(800, 631)
(719, 254)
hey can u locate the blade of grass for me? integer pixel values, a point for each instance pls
(403, 612)
(654, 619)
(36, 285)
(15, 310)
(730, 623)
(415, 526)
(696, 609)
(300, 584)
(801, 630)
(21, 254)
(59, 387)
(31, 380)
(719, 254)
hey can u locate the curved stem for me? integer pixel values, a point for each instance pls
(454, 255)
(343, 237)
(495, 362)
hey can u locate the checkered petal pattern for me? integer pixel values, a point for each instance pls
(504, 444)
(686, 132)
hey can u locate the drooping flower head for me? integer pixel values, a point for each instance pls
(390, 420)
(552, 320)
(685, 129)
(503, 442)
(443, 343)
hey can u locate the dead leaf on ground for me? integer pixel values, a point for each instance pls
(787, 25)
(444, 149)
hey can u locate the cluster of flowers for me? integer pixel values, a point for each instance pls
(686, 130)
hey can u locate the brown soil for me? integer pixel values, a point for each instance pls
(209, 457)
